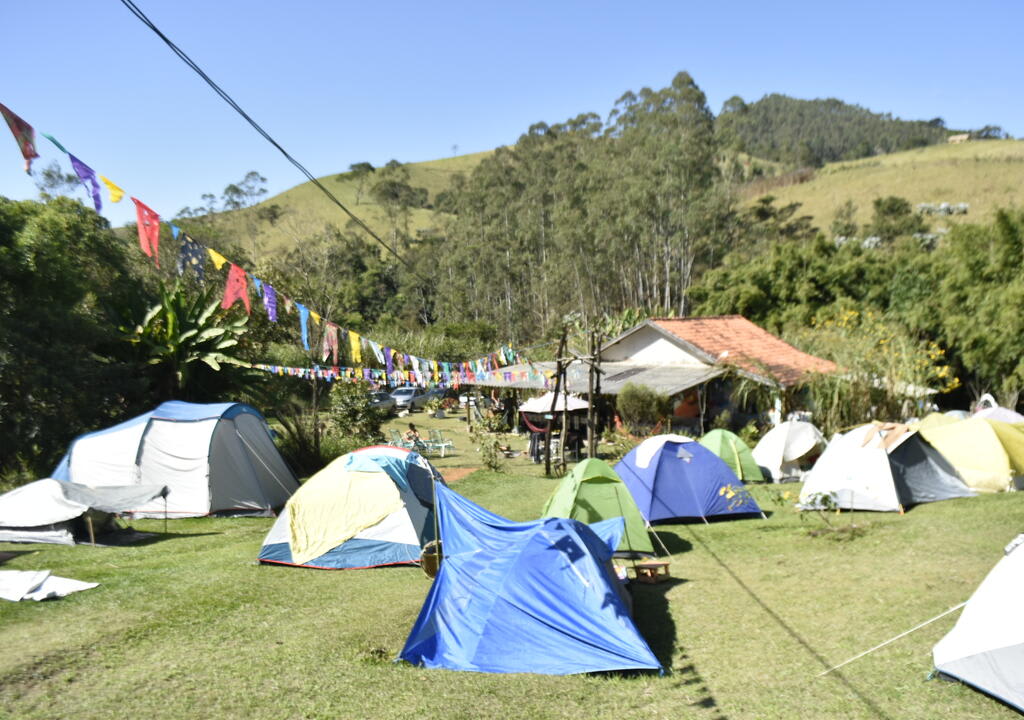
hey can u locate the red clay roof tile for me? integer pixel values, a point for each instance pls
(745, 345)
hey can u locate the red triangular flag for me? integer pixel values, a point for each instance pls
(149, 230)
(23, 134)
(237, 287)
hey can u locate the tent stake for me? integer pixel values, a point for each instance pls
(881, 645)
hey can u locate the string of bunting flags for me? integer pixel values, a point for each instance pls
(393, 367)
(457, 375)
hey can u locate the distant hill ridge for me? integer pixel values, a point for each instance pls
(865, 155)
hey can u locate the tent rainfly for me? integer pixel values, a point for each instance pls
(785, 445)
(988, 454)
(368, 508)
(524, 597)
(51, 511)
(592, 492)
(674, 477)
(212, 458)
(985, 649)
(881, 467)
(736, 454)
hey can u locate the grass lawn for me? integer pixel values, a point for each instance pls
(189, 626)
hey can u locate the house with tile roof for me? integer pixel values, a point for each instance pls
(720, 341)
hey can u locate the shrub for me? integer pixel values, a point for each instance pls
(640, 407)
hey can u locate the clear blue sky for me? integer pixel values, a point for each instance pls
(343, 82)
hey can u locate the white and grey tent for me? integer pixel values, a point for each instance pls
(51, 511)
(212, 458)
(985, 649)
(881, 467)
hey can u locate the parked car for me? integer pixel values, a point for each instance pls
(382, 401)
(410, 398)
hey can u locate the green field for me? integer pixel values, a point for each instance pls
(190, 626)
(987, 174)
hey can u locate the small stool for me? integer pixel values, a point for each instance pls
(651, 571)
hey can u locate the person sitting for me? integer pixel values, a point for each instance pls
(412, 436)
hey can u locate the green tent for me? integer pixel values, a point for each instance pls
(735, 452)
(591, 492)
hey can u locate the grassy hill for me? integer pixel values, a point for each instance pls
(307, 211)
(987, 174)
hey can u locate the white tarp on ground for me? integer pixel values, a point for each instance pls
(42, 510)
(17, 585)
(785, 444)
(542, 404)
(986, 646)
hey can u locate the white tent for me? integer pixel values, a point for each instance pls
(212, 458)
(985, 648)
(1001, 414)
(47, 511)
(881, 467)
(782, 448)
(542, 404)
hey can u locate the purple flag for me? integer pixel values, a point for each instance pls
(270, 301)
(388, 362)
(88, 178)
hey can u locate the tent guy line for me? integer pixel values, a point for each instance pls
(256, 126)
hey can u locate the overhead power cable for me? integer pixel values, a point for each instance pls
(256, 126)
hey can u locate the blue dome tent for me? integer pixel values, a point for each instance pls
(536, 597)
(674, 477)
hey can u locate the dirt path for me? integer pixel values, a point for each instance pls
(453, 475)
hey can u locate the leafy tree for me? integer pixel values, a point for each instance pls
(844, 223)
(894, 217)
(361, 172)
(244, 193)
(63, 275)
(53, 181)
(980, 293)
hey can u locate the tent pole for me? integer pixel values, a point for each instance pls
(165, 513)
(88, 524)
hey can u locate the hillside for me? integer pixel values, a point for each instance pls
(986, 174)
(305, 210)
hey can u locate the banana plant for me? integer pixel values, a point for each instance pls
(178, 333)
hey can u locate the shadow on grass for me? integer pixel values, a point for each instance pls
(135, 538)
(868, 702)
(11, 554)
(653, 618)
(690, 678)
(672, 542)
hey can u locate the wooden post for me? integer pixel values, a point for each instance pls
(554, 403)
(590, 399)
(88, 524)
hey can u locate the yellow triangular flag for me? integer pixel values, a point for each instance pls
(357, 348)
(218, 259)
(315, 316)
(116, 193)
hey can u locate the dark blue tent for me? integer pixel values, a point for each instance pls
(536, 597)
(674, 477)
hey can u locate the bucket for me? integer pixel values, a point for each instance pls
(430, 558)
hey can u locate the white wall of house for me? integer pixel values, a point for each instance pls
(650, 347)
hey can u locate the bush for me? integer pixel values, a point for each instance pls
(640, 408)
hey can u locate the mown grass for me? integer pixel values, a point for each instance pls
(190, 626)
(987, 174)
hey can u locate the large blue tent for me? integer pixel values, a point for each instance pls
(536, 597)
(674, 477)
